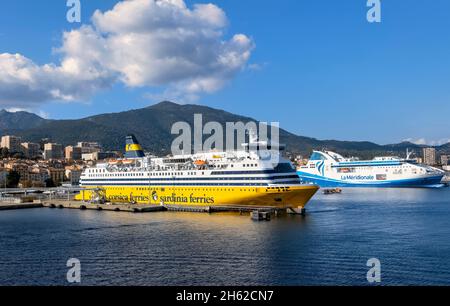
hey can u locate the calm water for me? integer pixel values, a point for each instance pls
(408, 230)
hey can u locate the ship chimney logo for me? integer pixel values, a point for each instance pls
(133, 149)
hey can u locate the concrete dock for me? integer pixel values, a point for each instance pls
(11, 206)
(139, 208)
(67, 202)
(135, 208)
(64, 198)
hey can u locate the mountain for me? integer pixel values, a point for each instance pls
(445, 148)
(152, 126)
(19, 120)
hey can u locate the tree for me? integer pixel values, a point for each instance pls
(49, 183)
(4, 153)
(27, 184)
(12, 179)
(18, 155)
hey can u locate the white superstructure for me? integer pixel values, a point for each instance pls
(329, 169)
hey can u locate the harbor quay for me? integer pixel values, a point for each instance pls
(63, 198)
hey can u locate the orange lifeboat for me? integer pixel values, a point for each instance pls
(200, 162)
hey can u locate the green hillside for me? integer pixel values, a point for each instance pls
(152, 126)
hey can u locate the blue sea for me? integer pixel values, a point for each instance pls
(407, 230)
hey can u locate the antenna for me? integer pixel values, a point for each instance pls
(408, 154)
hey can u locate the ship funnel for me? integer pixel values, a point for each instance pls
(133, 149)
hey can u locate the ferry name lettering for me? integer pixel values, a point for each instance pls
(174, 199)
(202, 200)
(358, 177)
(141, 198)
(118, 198)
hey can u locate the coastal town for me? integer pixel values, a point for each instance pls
(46, 164)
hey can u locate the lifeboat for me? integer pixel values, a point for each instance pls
(200, 162)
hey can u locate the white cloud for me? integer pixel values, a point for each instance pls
(257, 66)
(419, 141)
(23, 84)
(16, 109)
(440, 142)
(43, 114)
(141, 43)
(423, 141)
(40, 113)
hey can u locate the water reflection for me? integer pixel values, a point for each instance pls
(406, 229)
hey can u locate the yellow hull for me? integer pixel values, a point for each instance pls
(281, 197)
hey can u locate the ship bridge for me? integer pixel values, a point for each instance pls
(328, 155)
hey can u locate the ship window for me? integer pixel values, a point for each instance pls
(317, 156)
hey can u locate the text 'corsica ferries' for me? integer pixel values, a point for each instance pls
(329, 169)
(246, 177)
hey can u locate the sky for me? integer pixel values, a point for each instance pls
(316, 66)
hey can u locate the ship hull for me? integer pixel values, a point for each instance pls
(420, 182)
(293, 196)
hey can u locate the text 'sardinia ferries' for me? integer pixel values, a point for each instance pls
(329, 169)
(247, 177)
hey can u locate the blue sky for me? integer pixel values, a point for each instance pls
(316, 66)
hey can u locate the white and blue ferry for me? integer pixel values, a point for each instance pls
(329, 169)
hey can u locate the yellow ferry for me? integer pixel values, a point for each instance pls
(244, 177)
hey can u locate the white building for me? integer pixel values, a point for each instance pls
(73, 175)
(31, 150)
(12, 143)
(89, 147)
(95, 156)
(53, 151)
(429, 156)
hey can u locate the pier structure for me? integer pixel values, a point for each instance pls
(63, 198)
